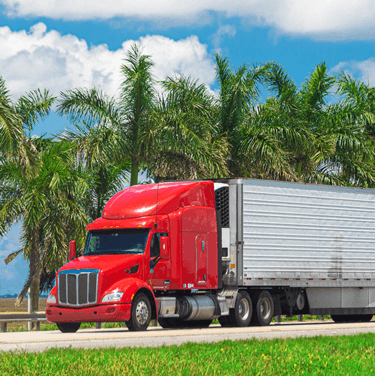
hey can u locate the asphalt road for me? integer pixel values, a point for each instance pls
(155, 336)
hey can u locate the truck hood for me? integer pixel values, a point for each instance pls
(105, 263)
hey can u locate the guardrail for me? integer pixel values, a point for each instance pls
(36, 317)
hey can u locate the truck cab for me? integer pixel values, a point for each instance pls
(153, 245)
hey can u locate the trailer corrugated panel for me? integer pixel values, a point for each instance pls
(308, 235)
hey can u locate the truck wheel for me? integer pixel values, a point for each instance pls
(240, 315)
(264, 309)
(170, 323)
(140, 316)
(364, 318)
(197, 323)
(351, 318)
(224, 321)
(340, 318)
(68, 327)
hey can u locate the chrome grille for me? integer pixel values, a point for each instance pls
(78, 287)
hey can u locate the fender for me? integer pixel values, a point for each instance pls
(129, 286)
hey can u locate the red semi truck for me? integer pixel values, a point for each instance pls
(239, 251)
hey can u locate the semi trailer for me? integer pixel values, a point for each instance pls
(240, 251)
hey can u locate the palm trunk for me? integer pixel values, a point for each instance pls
(299, 169)
(34, 287)
(134, 174)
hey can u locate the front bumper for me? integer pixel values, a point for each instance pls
(101, 313)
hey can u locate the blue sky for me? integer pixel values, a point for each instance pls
(60, 45)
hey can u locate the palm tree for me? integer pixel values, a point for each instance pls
(185, 138)
(117, 128)
(357, 111)
(264, 138)
(103, 182)
(327, 145)
(239, 104)
(30, 171)
(17, 116)
(48, 203)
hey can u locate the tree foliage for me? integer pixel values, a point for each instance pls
(175, 129)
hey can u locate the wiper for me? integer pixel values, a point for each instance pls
(103, 253)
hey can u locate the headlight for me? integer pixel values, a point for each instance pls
(51, 299)
(112, 297)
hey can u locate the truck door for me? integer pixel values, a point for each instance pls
(159, 268)
(201, 259)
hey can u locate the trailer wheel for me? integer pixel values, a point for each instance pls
(264, 309)
(68, 327)
(241, 314)
(340, 318)
(140, 316)
(365, 318)
(351, 318)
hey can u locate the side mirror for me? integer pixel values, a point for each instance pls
(164, 247)
(72, 250)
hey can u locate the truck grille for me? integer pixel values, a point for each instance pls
(78, 287)
(222, 205)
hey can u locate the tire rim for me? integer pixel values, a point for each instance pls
(244, 309)
(141, 313)
(265, 308)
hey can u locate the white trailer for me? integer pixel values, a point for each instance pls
(310, 247)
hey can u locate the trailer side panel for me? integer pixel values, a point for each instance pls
(307, 235)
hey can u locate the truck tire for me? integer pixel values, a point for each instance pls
(197, 323)
(174, 323)
(351, 318)
(68, 327)
(264, 308)
(224, 321)
(365, 318)
(171, 323)
(241, 314)
(140, 315)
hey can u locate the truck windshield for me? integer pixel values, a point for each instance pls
(116, 241)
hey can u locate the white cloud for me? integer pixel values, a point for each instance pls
(362, 70)
(47, 59)
(223, 30)
(334, 19)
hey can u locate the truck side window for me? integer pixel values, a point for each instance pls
(155, 244)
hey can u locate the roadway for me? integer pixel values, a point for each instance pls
(155, 336)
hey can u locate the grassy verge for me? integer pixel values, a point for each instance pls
(91, 325)
(84, 325)
(344, 355)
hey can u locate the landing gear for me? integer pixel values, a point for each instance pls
(68, 327)
(140, 316)
(264, 308)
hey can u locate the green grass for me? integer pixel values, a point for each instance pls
(344, 355)
(84, 325)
